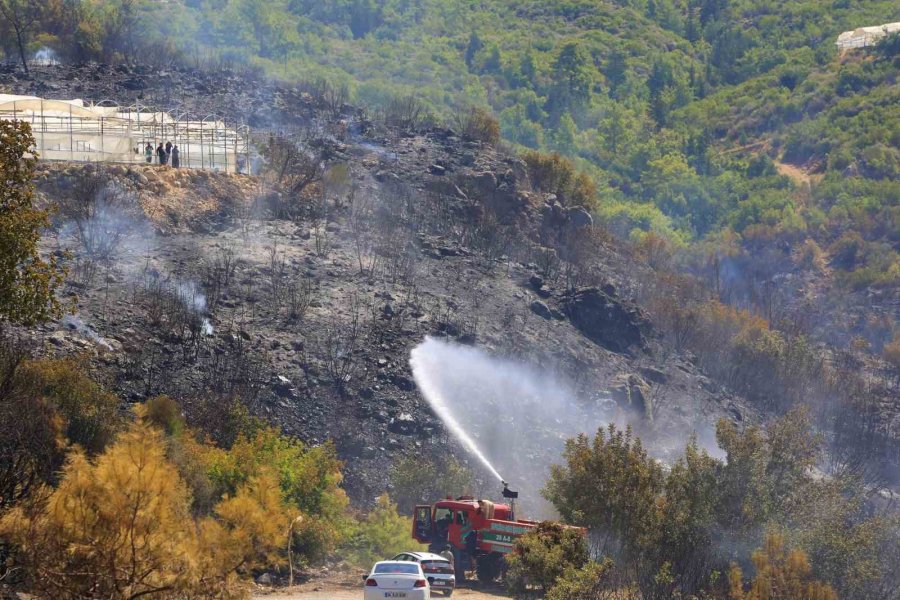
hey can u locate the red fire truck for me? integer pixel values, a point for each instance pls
(479, 532)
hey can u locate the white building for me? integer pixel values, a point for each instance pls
(866, 36)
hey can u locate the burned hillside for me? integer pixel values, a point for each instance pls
(301, 291)
(305, 305)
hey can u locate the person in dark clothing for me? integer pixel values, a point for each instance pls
(148, 152)
(161, 154)
(442, 530)
(176, 156)
(168, 147)
(471, 543)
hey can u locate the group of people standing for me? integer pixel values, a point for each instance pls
(167, 154)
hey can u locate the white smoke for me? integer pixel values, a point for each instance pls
(46, 56)
(515, 419)
(194, 300)
(76, 323)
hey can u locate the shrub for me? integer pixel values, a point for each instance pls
(848, 251)
(406, 112)
(478, 125)
(590, 582)
(164, 413)
(543, 555)
(381, 533)
(120, 528)
(891, 354)
(309, 477)
(811, 257)
(32, 447)
(781, 574)
(555, 174)
(90, 415)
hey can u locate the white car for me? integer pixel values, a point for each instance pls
(438, 570)
(396, 579)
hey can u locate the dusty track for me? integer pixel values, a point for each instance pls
(344, 593)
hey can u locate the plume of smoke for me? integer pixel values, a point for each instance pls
(104, 226)
(46, 56)
(194, 300)
(77, 323)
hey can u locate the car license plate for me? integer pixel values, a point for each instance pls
(395, 594)
(439, 582)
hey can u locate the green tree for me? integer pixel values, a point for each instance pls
(382, 533)
(573, 80)
(543, 555)
(22, 17)
(473, 48)
(610, 485)
(616, 70)
(420, 479)
(27, 281)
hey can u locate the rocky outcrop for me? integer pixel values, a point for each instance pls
(632, 393)
(606, 320)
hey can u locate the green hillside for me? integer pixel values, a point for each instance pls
(645, 95)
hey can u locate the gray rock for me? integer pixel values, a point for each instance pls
(653, 374)
(633, 393)
(403, 424)
(606, 320)
(579, 217)
(541, 310)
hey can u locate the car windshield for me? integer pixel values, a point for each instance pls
(435, 566)
(397, 568)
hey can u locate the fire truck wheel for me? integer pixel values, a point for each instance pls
(488, 568)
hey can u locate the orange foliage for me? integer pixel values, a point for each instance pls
(120, 527)
(781, 574)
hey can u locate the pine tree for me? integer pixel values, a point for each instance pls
(27, 281)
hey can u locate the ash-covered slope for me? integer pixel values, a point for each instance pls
(210, 293)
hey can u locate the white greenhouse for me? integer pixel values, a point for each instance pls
(71, 130)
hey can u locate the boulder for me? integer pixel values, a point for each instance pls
(541, 310)
(606, 320)
(403, 424)
(578, 217)
(633, 393)
(283, 386)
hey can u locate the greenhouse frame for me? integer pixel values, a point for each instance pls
(70, 130)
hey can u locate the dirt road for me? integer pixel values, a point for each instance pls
(346, 593)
